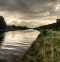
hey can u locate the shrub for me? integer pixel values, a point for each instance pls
(44, 32)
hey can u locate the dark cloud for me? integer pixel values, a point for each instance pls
(30, 8)
(27, 6)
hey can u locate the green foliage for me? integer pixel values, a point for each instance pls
(44, 32)
(58, 23)
(54, 26)
(2, 23)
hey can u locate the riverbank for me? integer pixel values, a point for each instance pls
(46, 48)
(5, 30)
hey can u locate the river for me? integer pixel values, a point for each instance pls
(16, 43)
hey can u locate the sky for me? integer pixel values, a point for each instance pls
(30, 13)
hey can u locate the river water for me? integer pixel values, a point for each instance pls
(16, 43)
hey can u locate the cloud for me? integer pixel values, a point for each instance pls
(27, 6)
(30, 10)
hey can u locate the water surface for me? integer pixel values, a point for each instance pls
(16, 42)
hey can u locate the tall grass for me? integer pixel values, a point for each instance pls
(45, 49)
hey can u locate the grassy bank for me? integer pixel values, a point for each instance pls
(45, 49)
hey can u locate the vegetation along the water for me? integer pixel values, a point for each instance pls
(46, 48)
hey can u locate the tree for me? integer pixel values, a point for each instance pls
(58, 23)
(2, 23)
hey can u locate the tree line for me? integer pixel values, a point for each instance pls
(3, 25)
(55, 26)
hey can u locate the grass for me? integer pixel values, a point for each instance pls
(45, 49)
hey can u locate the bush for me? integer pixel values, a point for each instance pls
(44, 32)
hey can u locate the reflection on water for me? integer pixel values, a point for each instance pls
(1, 37)
(16, 42)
